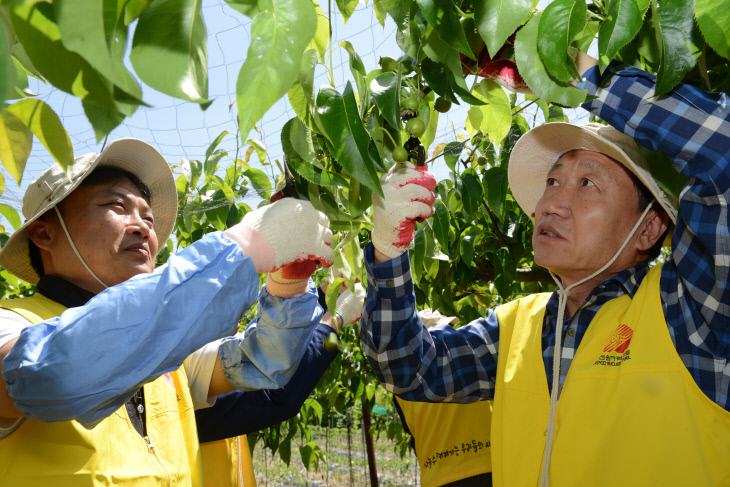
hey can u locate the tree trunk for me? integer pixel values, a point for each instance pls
(370, 448)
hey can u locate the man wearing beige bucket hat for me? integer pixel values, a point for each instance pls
(634, 390)
(106, 349)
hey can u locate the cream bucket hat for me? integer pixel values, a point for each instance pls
(132, 155)
(535, 152)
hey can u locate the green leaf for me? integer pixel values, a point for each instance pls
(456, 79)
(285, 451)
(296, 141)
(713, 17)
(357, 68)
(36, 29)
(678, 41)
(44, 123)
(279, 35)
(170, 50)
(435, 75)
(535, 74)
(192, 170)
(621, 25)
(321, 38)
(346, 8)
(497, 113)
(249, 8)
(2, 183)
(11, 214)
(133, 9)
(16, 142)
(452, 151)
(470, 188)
(561, 22)
(212, 160)
(95, 30)
(359, 199)
(347, 136)
(259, 181)
(466, 244)
(496, 20)
(333, 292)
(260, 149)
(103, 120)
(386, 92)
(585, 38)
(418, 253)
(7, 73)
(495, 187)
(442, 15)
(440, 223)
(217, 213)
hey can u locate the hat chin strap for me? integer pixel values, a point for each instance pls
(562, 303)
(73, 246)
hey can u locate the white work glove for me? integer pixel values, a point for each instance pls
(289, 238)
(409, 195)
(349, 305)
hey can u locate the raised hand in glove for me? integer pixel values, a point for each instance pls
(409, 196)
(287, 239)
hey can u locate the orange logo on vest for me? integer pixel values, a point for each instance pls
(620, 340)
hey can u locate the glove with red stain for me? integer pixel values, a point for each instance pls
(501, 68)
(408, 191)
(287, 239)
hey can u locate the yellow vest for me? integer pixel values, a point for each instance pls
(113, 453)
(228, 463)
(629, 414)
(452, 440)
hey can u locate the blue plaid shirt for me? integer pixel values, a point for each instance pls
(693, 128)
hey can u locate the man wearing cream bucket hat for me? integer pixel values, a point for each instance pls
(633, 389)
(94, 391)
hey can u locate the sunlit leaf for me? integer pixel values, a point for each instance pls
(99, 35)
(496, 20)
(260, 182)
(279, 35)
(418, 252)
(45, 124)
(170, 50)
(347, 136)
(561, 22)
(321, 38)
(260, 149)
(11, 214)
(249, 8)
(133, 9)
(678, 41)
(346, 8)
(103, 120)
(497, 112)
(386, 92)
(7, 73)
(16, 141)
(713, 17)
(466, 244)
(533, 70)
(36, 29)
(621, 25)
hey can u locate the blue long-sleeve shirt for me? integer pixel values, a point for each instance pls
(68, 367)
(242, 412)
(693, 128)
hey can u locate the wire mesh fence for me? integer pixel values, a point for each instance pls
(342, 442)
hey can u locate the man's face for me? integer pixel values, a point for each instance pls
(588, 209)
(112, 227)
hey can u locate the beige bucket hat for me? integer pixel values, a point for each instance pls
(132, 155)
(535, 152)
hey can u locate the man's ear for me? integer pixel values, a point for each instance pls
(655, 224)
(40, 233)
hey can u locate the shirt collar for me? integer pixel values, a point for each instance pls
(625, 282)
(63, 292)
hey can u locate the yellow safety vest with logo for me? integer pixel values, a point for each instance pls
(629, 414)
(228, 463)
(452, 440)
(112, 453)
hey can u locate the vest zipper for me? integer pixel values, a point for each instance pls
(153, 450)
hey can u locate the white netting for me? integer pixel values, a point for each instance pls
(181, 130)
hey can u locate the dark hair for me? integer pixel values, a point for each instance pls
(100, 175)
(645, 197)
